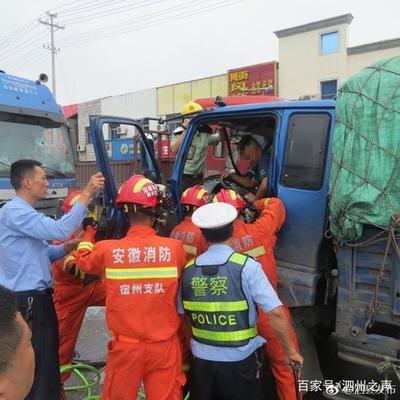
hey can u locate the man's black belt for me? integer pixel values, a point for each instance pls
(194, 176)
(42, 292)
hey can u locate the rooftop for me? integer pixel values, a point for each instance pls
(312, 26)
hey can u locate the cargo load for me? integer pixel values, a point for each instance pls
(364, 184)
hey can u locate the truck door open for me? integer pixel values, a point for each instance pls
(141, 149)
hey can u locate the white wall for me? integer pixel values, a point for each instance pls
(357, 62)
(131, 105)
(302, 66)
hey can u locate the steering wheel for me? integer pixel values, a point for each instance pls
(213, 183)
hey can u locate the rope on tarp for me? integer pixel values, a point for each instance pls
(368, 108)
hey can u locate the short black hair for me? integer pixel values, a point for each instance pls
(19, 169)
(218, 235)
(10, 329)
(246, 141)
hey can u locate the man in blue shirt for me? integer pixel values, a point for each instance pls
(219, 293)
(256, 149)
(25, 263)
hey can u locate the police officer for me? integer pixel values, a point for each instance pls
(219, 293)
(258, 239)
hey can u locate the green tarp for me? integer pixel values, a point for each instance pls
(365, 174)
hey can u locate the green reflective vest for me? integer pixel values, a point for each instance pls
(214, 299)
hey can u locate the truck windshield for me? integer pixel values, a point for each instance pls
(27, 137)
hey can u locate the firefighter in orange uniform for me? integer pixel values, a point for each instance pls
(193, 241)
(258, 239)
(194, 244)
(74, 292)
(141, 272)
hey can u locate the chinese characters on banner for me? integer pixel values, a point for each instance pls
(254, 80)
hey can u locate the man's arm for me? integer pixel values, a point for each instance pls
(176, 141)
(262, 189)
(265, 296)
(56, 252)
(243, 181)
(272, 216)
(282, 328)
(30, 223)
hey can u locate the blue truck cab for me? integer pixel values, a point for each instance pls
(33, 126)
(328, 286)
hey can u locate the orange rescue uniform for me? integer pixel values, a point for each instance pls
(141, 272)
(258, 240)
(71, 300)
(194, 244)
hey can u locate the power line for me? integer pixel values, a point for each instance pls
(112, 11)
(63, 78)
(128, 23)
(29, 63)
(19, 33)
(98, 4)
(113, 30)
(23, 45)
(61, 9)
(25, 57)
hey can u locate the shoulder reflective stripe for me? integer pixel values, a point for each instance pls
(266, 201)
(215, 306)
(190, 249)
(235, 336)
(85, 245)
(190, 263)
(256, 252)
(141, 273)
(67, 260)
(238, 258)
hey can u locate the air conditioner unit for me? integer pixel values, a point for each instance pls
(81, 147)
(122, 130)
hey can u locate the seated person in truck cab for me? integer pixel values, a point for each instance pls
(196, 156)
(256, 149)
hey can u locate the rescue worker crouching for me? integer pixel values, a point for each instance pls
(258, 239)
(141, 273)
(74, 292)
(194, 244)
(219, 290)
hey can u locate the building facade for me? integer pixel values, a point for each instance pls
(314, 59)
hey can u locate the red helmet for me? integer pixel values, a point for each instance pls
(70, 201)
(138, 190)
(231, 197)
(194, 196)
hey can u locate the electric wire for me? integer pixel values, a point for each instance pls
(63, 78)
(152, 19)
(84, 4)
(13, 37)
(113, 11)
(121, 24)
(25, 44)
(149, 24)
(98, 5)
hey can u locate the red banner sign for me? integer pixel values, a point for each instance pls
(253, 80)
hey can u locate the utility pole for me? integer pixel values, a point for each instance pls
(53, 27)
